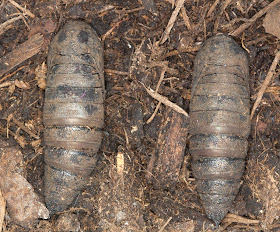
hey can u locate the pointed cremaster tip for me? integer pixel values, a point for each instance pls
(216, 215)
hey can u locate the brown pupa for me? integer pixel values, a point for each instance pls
(73, 112)
(219, 123)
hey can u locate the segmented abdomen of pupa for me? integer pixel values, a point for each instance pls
(219, 123)
(73, 112)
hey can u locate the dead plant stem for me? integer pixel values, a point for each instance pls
(266, 82)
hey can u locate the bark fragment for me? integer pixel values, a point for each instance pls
(170, 149)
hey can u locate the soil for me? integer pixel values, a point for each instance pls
(127, 190)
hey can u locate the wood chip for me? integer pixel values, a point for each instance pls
(21, 53)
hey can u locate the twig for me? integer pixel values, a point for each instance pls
(112, 71)
(233, 21)
(239, 7)
(117, 24)
(23, 127)
(176, 52)
(223, 8)
(266, 82)
(13, 73)
(250, 6)
(154, 113)
(126, 137)
(186, 18)
(3, 3)
(2, 210)
(24, 10)
(258, 39)
(235, 218)
(157, 88)
(161, 78)
(8, 24)
(165, 101)
(172, 20)
(152, 64)
(23, 52)
(212, 8)
(24, 20)
(165, 224)
(104, 9)
(129, 11)
(254, 18)
(242, 43)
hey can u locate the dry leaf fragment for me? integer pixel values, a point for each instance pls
(21, 141)
(271, 22)
(5, 84)
(21, 84)
(29, 124)
(12, 88)
(48, 26)
(36, 143)
(40, 72)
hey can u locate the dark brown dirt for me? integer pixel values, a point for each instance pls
(119, 197)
